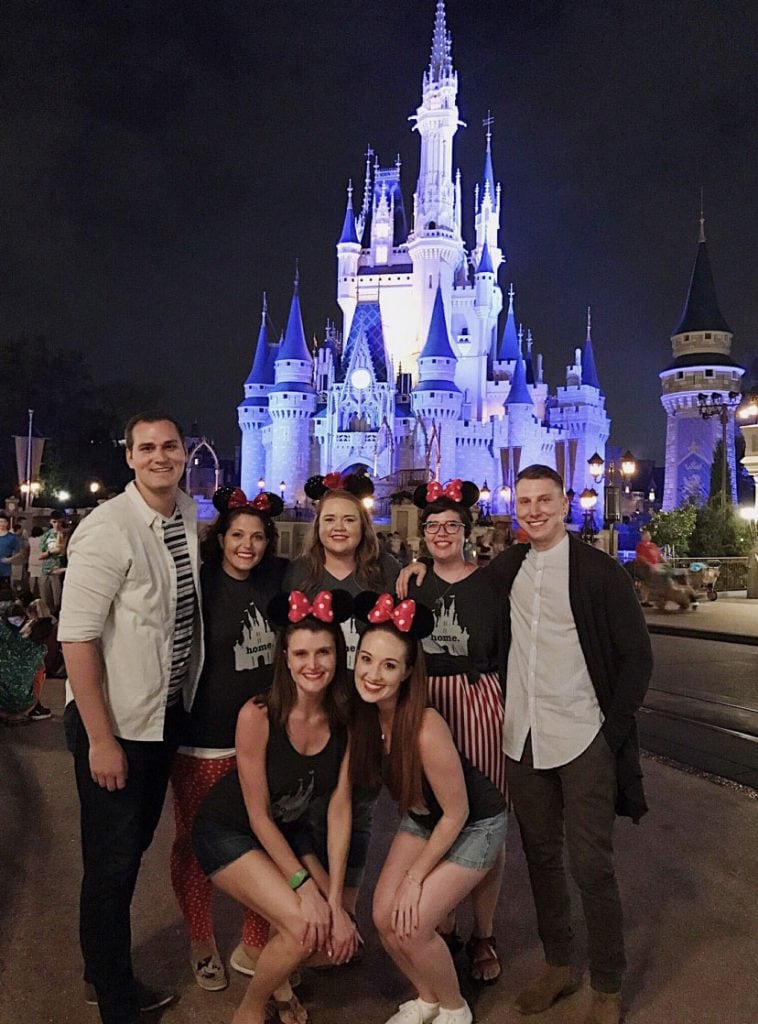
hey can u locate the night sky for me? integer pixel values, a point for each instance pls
(165, 161)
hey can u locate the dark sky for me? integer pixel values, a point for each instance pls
(165, 161)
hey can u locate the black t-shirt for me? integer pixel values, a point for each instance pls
(484, 798)
(295, 780)
(464, 640)
(239, 650)
(389, 569)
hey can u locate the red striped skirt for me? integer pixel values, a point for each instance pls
(474, 713)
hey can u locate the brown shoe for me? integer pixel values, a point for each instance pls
(605, 1008)
(551, 984)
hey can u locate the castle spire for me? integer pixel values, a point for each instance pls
(589, 370)
(488, 177)
(262, 371)
(519, 393)
(701, 309)
(437, 340)
(349, 233)
(509, 345)
(702, 218)
(441, 62)
(294, 345)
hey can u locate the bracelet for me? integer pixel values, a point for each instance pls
(412, 880)
(296, 880)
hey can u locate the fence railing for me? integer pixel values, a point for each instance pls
(732, 570)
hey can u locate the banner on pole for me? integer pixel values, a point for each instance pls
(22, 443)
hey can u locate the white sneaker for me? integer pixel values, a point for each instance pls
(462, 1016)
(415, 1012)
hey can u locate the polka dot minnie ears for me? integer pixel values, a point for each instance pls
(408, 617)
(328, 606)
(462, 492)
(358, 484)
(229, 499)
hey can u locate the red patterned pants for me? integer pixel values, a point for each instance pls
(191, 780)
(474, 713)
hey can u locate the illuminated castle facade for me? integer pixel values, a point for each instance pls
(425, 376)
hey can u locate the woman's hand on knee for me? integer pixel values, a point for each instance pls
(344, 937)
(405, 914)
(316, 916)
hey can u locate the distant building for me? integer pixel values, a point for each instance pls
(419, 380)
(700, 344)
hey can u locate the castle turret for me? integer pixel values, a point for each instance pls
(589, 370)
(435, 245)
(348, 254)
(292, 403)
(702, 364)
(487, 207)
(436, 398)
(252, 412)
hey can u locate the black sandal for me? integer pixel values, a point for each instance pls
(482, 953)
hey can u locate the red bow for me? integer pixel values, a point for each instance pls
(385, 611)
(334, 482)
(300, 606)
(239, 499)
(452, 490)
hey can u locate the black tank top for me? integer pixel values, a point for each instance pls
(294, 781)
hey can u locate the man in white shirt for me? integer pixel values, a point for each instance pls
(578, 665)
(132, 642)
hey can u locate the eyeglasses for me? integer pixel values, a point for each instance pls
(449, 527)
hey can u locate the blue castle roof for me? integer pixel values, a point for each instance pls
(589, 370)
(509, 346)
(701, 310)
(349, 234)
(437, 341)
(488, 178)
(485, 261)
(519, 393)
(262, 371)
(294, 345)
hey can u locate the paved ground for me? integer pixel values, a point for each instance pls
(689, 875)
(727, 618)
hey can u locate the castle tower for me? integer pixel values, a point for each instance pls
(437, 398)
(252, 412)
(348, 254)
(292, 403)
(702, 364)
(487, 206)
(435, 245)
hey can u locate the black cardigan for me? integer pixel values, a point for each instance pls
(616, 648)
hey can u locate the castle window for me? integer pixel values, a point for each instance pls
(680, 375)
(686, 337)
(707, 335)
(430, 280)
(709, 373)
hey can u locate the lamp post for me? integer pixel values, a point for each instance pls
(751, 515)
(505, 498)
(747, 416)
(485, 496)
(261, 483)
(717, 404)
(612, 502)
(588, 501)
(282, 489)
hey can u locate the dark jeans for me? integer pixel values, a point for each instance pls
(578, 798)
(116, 829)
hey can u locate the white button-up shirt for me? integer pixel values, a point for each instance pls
(549, 691)
(120, 590)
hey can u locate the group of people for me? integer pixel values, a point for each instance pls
(277, 698)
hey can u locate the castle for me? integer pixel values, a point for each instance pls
(702, 377)
(420, 381)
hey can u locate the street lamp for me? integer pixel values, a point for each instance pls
(282, 489)
(505, 497)
(261, 483)
(717, 404)
(94, 487)
(30, 489)
(485, 496)
(368, 503)
(628, 468)
(751, 515)
(588, 501)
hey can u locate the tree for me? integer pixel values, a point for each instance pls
(717, 469)
(719, 532)
(674, 529)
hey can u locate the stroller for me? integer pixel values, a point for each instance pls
(702, 577)
(659, 587)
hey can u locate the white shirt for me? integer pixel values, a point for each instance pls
(549, 691)
(121, 591)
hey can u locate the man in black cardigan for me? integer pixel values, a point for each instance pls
(576, 662)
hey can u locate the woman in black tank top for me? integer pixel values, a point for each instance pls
(454, 817)
(251, 833)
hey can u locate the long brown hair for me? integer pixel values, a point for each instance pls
(210, 549)
(367, 567)
(283, 694)
(403, 776)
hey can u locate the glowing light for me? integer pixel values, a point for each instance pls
(368, 503)
(360, 378)
(588, 499)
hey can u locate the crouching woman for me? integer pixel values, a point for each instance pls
(251, 834)
(453, 817)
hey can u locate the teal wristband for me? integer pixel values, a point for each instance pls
(296, 880)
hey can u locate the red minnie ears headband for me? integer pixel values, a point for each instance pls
(328, 606)
(462, 492)
(409, 617)
(358, 484)
(228, 499)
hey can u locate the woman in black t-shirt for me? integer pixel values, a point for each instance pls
(453, 817)
(252, 833)
(239, 577)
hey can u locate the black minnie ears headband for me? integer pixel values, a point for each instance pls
(462, 492)
(230, 499)
(328, 606)
(358, 484)
(409, 617)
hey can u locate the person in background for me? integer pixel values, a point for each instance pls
(36, 558)
(23, 634)
(53, 546)
(9, 545)
(19, 560)
(239, 577)
(453, 820)
(132, 640)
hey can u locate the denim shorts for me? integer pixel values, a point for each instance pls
(216, 845)
(476, 847)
